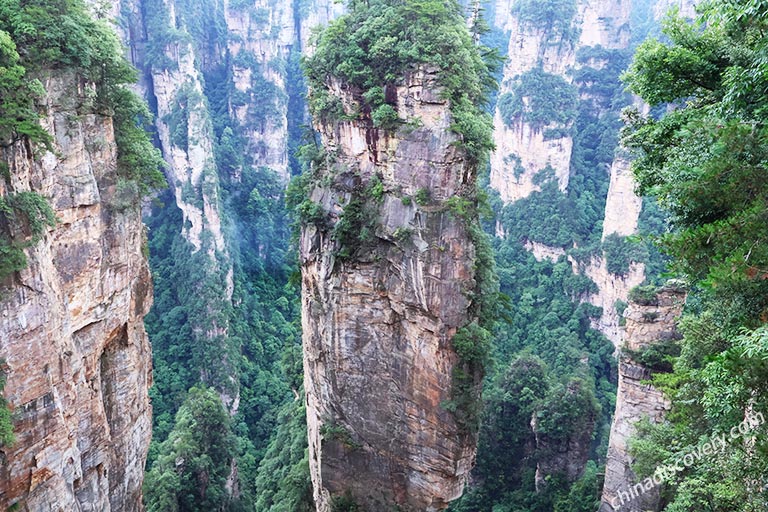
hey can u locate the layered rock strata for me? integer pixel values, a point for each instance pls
(379, 316)
(77, 357)
(651, 322)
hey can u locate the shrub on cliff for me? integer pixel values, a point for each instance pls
(373, 47)
(540, 99)
(6, 421)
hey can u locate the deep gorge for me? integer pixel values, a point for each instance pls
(385, 255)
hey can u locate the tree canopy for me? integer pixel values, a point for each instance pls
(705, 159)
(379, 41)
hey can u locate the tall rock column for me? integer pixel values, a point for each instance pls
(387, 281)
(650, 321)
(524, 147)
(162, 47)
(77, 357)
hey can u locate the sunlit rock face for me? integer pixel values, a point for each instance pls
(378, 323)
(649, 323)
(71, 324)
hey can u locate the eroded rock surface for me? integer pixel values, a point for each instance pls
(378, 323)
(71, 324)
(653, 322)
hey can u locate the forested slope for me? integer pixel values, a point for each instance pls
(381, 191)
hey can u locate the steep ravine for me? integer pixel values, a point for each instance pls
(224, 81)
(71, 323)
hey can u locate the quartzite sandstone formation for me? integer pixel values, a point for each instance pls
(71, 330)
(652, 322)
(378, 324)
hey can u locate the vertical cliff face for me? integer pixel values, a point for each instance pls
(172, 67)
(546, 39)
(574, 52)
(220, 74)
(522, 149)
(264, 41)
(260, 40)
(651, 322)
(71, 329)
(622, 206)
(622, 212)
(379, 316)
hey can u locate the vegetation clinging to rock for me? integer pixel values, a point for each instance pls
(378, 42)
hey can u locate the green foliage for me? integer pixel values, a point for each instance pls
(540, 318)
(37, 37)
(704, 161)
(583, 495)
(375, 45)
(18, 92)
(385, 116)
(250, 345)
(24, 217)
(504, 444)
(507, 452)
(472, 344)
(161, 33)
(567, 411)
(260, 356)
(553, 16)
(344, 503)
(620, 252)
(337, 433)
(283, 476)
(461, 207)
(6, 420)
(644, 295)
(261, 327)
(194, 462)
(355, 229)
(539, 99)
(28, 213)
(403, 235)
(658, 357)
(423, 196)
(138, 160)
(178, 118)
(61, 33)
(375, 188)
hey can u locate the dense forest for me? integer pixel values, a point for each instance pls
(684, 101)
(704, 159)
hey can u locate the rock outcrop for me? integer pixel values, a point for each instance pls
(71, 330)
(260, 40)
(622, 205)
(264, 41)
(379, 316)
(563, 456)
(173, 82)
(610, 289)
(651, 322)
